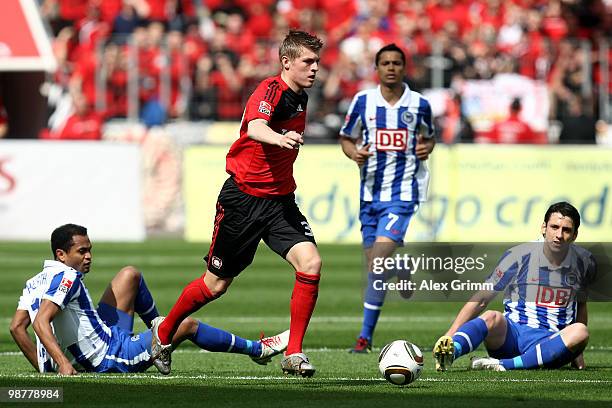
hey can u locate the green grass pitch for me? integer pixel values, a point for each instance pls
(259, 301)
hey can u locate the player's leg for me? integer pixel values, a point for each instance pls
(490, 328)
(216, 340)
(305, 259)
(289, 235)
(374, 297)
(234, 243)
(383, 230)
(127, 293)
(553, 352)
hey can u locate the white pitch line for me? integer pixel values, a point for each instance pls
(320, 379)
(306, 350)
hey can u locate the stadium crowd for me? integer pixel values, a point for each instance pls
(200, 59)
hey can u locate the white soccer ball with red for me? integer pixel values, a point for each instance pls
(400, 362)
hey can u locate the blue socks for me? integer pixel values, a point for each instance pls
(213, 339)
(144, 304)
(551, 353)
(469, 336)
(373, 301)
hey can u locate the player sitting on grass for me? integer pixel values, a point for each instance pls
(73, 335)
(544, 323)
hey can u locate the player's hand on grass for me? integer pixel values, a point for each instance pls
(361, 155)
(578, 362)
(66, 369)
(291, 140)
(424, 147)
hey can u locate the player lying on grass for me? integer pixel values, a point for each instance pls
(544, 324)
(71, 335)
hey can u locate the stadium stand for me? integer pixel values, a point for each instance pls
(160, 60)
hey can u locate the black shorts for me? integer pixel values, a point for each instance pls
(242, 220)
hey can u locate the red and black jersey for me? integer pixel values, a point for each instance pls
(261, 169)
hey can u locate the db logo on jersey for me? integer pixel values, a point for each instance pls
(265, 108)
(391, 139)
(553, 297)
(65, 285)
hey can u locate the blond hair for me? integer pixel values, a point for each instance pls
(293, 43)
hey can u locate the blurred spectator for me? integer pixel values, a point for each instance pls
(82, 124)
(63, 13)
(128, 18)
(566, 79)
(362, 45)
(453, 126)
(227, 83)
(114, 72)
(578, 125)
(237, 37)
(203, 104)
(514, 129)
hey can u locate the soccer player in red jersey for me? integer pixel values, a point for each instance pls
(257, 202)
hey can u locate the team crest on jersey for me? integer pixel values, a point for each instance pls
(407, 117)
(265, 108)
(570, 279)
(216, 262)
(65, 285)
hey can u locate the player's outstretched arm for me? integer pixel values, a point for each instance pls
(259, 130)
(19, 331)
(473, 308)
(42, 326)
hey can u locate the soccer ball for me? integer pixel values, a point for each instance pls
(400, 362)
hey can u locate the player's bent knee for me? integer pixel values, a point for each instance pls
(310, 265)
(218, 289)
(130, 273)
(492, 318)
(579, 334)
(313, 265)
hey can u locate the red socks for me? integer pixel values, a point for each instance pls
(303, 300)
(195, 295)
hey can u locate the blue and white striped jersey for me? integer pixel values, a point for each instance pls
(536, 293)
(78, 328)
(393, 173)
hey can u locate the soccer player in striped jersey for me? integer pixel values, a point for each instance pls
(544, 324)
(388, 132)
(71, 334)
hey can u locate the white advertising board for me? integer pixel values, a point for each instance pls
(46, 184)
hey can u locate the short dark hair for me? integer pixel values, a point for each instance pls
(565, 209)
(387, 48)
(291, 46)
(61, 237)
